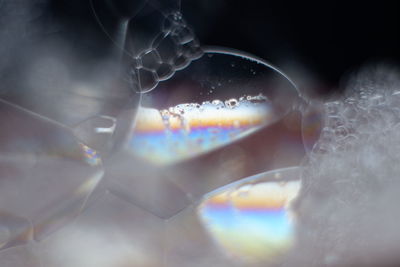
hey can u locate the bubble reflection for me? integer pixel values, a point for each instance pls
(251, 220)
(187, 130)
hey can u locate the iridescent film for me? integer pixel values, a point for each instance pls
(252, 222)
(187, 130)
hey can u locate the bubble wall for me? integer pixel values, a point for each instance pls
(251, 220)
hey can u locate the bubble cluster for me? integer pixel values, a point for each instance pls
(369, 108)
(348, 207)
(171, 50)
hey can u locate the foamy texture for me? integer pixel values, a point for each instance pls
(187, 130)
(157, 63)
(348, 207)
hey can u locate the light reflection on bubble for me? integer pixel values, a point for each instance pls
(55, 172)
(90, 155)
(219, 98)
(251, 220)
(187, 130)
(312, 123)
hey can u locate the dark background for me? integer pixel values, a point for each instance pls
(323, 39)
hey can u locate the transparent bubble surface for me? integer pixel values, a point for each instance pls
(195, 100)
(250, 220)
(312, 124)
(110, 233)
(21, 256)
(173, 49)
(221, 97)
(46, 175)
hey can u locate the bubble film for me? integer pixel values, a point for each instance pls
(187, 130)
(19, 256)
(41, 158)
(91, 156)
(110, 233)
(348, 206)
(251, 220)
(171, 50)
(221, 97)
(202, 102)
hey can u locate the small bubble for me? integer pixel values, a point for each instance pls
(377, 99)
(319, 149)
(341, 132)
(231, 103)
(332, 108)
(335, 121)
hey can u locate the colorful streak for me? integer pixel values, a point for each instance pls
(75, 150)
(311, 126)
(252, 221)
(187, 130)
(90, 155)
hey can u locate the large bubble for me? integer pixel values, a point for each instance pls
(194, 100)
(221, 97)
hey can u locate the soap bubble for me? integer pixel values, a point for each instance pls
(47, 175)
(195, 100)
(246, 223)
(220, 98)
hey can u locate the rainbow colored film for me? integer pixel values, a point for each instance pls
(252, 222)
(187, 130)
(91, 156)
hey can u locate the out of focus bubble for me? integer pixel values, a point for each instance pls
(55, 171)
(251, 220)
(110, 233)
(221, 97)
(21, 256)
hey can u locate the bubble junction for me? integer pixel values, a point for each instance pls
(171, 50)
